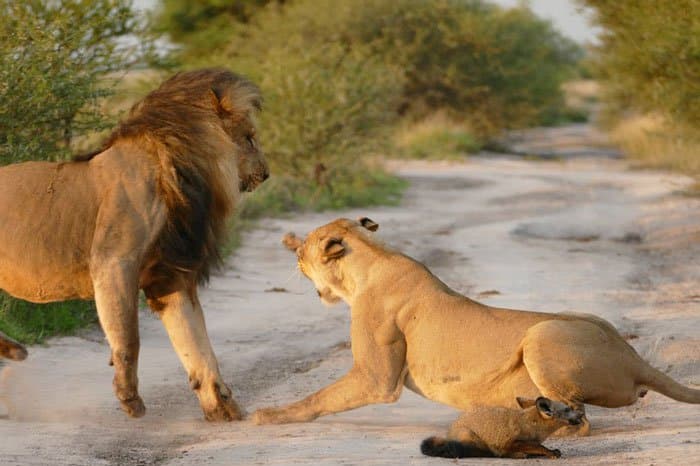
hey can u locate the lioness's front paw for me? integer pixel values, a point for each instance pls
(277, 416)
(266, 416)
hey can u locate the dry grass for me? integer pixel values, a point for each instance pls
(581, 94)
(653, 142)
(436, 136)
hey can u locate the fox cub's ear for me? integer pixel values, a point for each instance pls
(544, 406)
(368, 223)
(525, 402)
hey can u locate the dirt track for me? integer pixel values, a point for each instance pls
(581, 235)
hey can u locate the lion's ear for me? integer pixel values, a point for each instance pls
(333, 249)
(221, 104)
(368, 223)
(292, 241)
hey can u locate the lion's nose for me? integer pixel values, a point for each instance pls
(266, 174)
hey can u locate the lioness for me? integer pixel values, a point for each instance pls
(408, 328)
(148, 211)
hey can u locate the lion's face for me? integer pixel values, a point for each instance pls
(237, 121)
(252, 166)
(250, 160)
(319, 257)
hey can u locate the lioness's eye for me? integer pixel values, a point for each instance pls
(251, 141)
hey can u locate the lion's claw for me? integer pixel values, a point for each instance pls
(134, 407)
(226, 408)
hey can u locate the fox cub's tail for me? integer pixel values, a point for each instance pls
(435, 446)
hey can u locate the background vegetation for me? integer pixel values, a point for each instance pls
(648, 63)
(345, 83)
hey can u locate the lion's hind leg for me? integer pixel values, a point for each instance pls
(116, 297)
(10, 349)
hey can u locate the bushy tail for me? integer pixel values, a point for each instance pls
(434, 446)
(10, 349)
(660, 382)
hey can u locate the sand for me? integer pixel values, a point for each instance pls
(582, 234)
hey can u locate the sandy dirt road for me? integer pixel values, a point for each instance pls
(581, 235)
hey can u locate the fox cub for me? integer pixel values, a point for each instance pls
(504, 432)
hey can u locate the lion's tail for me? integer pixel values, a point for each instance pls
(10, 349)
(435, 446)
(661, 383)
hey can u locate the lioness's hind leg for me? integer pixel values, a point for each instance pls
(578, 361)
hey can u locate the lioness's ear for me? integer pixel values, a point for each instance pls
(333, 248)
(368, 223)
(525, 402)
(292, 241)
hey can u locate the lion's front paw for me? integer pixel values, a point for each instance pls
(134, 407)
(224, 407)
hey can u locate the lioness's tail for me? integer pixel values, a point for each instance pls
(434, 446)
(660, 382)
(10, 349)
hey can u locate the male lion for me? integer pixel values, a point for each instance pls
(146, 212)
(408, 328)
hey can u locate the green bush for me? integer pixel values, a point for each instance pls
(497, 68)
(55, 58)
(501, 67)
(648, 58)
(58, 61)
(205, 24)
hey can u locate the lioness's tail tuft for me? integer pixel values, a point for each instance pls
(10, 349)
(435, 446)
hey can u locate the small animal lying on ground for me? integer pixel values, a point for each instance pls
(10, 349)
(410, 329)
(495, 431)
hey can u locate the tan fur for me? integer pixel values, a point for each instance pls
(504, 432)
(408, 328)
(10, 349)
(148, 211)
